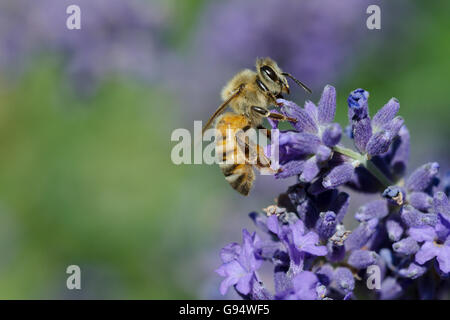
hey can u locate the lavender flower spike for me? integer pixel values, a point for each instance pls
(405, 230)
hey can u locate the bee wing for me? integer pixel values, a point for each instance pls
(222, 107)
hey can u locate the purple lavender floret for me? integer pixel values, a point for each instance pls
(403, 232)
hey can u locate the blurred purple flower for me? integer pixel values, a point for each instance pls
(116, 37)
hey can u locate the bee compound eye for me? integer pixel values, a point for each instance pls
(260, 110)
(270, 73)
(261, 85)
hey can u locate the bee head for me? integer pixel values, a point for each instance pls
(272, 76)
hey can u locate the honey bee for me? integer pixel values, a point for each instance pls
(249, 94)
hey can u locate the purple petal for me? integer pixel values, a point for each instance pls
(387, 113)
(244, 284)
(305, 285)
(422, 177)
(230, 252)
(338, 175)
(327, 105)
(332, 134)
(443, 259)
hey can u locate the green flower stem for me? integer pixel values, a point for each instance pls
(368, 164)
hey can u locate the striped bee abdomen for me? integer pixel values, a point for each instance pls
(237, 171)
(239, 176)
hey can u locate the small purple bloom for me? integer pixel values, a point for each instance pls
(239, 265)
(434, 246)
(306, 242)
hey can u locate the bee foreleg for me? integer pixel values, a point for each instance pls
(276, 116)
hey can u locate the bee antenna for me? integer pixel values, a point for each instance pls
(301, 84)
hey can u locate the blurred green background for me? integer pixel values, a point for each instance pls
(85, 171)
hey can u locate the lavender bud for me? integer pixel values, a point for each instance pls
(395, 194)
(326, 224)
(394, 230)
(311, 109)
(292, 168)
(379, 143)
(304, 122)
(361, 235)
(441, 206)
(387, 113)
(338, 175)
(413, 271)
(327, 105)
(335, 252)
(400, 158)
(357, 104)
(332, 134)
(361, 259)
(393, 127)
(374, 209)
(310, 170)
(406, 246)
(420, 200)
(414, 218)
(325, 274)
(343, 279)
(422, 177)
(362, 131)
(323, 153)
